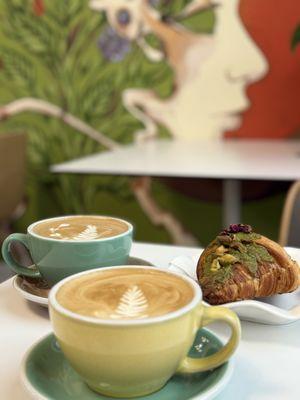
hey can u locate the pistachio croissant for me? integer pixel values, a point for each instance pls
(240, 264)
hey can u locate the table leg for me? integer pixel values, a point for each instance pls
(231, 202)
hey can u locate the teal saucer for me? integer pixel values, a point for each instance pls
(47, 375)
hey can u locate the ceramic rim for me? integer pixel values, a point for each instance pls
(30, 229)
(129, 322)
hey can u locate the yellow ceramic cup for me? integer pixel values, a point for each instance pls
(129, 358)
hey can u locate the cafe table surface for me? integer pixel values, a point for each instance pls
(230, 160)
(266, 364)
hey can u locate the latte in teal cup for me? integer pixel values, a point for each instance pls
(63, 246)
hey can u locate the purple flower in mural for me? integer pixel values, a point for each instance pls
(113, 47)
(123, 17)
(154, 3)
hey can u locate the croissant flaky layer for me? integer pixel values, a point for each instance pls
(278, 275)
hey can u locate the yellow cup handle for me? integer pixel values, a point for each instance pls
(209, 315)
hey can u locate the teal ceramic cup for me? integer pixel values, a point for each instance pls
(56, 259)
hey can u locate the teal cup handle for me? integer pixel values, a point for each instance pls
(31, 272)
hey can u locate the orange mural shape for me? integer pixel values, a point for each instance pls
(38, 7)
(275, 109)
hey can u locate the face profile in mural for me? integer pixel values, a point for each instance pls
(211, 71)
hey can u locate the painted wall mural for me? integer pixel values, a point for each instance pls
(84, 76)
(211, 70)
(274, 111)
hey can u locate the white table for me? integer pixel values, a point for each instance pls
(267, 362)
(230, 160)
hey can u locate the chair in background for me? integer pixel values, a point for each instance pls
(289, 234)
(12, 180)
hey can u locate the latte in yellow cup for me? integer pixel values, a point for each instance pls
(126, 330)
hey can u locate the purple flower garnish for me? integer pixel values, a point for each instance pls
(113, 47)
(236, 228)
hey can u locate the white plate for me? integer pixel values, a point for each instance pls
(18, 284)
(275, 310)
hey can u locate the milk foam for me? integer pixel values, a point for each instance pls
(125, 294)
(80, 228)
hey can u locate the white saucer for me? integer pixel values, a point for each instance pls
(275, 310)
(18, 284)
(37, 292)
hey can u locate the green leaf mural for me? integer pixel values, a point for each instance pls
(296, 38)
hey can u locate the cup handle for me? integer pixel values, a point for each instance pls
(31, 272)
(209, 315)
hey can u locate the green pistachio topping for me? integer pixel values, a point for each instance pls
(234, 247)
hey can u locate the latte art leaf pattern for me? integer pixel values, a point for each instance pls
(81, 228)
(54, 232)
(128, 293)
(89, 233)
(133, 304)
